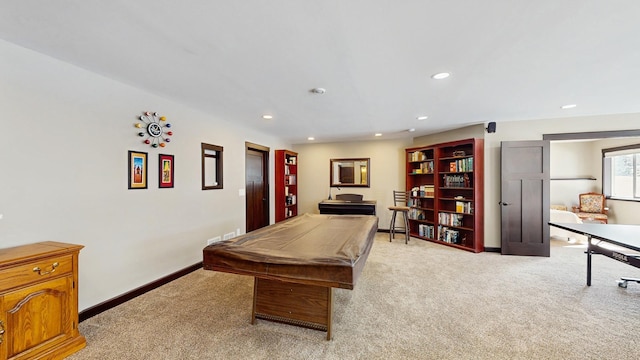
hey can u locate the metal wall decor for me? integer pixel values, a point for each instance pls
(157, 131)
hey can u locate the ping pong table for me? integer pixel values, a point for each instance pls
(619, 242)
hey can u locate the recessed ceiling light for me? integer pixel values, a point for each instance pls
(318, 91)
(411, 130)
(311, 138)
(267, 117)
(568, 106)
(422, 117)
(378, 134)
(440, 76)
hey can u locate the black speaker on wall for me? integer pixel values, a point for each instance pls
(491, 127)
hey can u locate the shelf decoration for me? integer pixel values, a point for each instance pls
(157, 130)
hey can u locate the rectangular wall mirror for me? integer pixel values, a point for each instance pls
(349, 172)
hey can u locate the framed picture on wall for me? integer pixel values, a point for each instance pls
(165, 167)
(137, 170)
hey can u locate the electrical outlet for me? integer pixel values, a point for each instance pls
(229, 236)
(213, 240)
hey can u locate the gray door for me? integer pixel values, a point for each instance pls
(525, 198)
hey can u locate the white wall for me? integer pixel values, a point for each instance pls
(387, 173)
(64, 137)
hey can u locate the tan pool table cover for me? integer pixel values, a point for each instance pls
(325, 250)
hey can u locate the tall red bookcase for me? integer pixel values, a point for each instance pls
(446, 185)
(286, 186)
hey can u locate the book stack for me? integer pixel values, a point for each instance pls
(450, 219)
(416, 214)
(423, 191)
(426, 167)
(448, 235)
(456, 181)
(426, 231)
(461, 165)
(428, 191)
(417, 156)
(464, 207)
(290, 200)
(290, 180)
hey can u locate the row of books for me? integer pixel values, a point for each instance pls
(423, 191)
(417, 156)
(290, 179)
(464, 207)
(449, 235)
(450, 219)
(456, 181)
(420, 203)
(424, 168)
(290, 200)
(416, 214)
(427, 231)
(461, 165)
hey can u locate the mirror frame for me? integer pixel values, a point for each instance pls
(336, 183)
(206, 151)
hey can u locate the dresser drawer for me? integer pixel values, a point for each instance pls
(30, 272)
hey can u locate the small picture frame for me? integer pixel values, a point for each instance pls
(137, 170)
(165, 168)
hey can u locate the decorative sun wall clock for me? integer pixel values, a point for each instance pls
(156, 128)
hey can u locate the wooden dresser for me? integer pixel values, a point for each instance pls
(39, 301)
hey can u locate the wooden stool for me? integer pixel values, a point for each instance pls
(400, 199)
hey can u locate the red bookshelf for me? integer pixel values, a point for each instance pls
(286, 186)
(446, 184)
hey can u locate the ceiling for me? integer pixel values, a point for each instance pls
(238, 60)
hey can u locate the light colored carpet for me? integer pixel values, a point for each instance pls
(415, 301)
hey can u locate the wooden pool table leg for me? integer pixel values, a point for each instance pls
(329, 313)
(293, 303)
(255, 296)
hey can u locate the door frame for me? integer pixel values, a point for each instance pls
(267, 188)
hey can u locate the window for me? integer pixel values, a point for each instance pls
(621, 169)
(211, 166)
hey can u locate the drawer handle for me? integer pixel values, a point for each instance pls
(1, 331)
(40, 272)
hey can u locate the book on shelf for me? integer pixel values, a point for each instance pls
(461, 165)
(416, 214)
(465, 207)
(290, 180)
(448, 235)
(425, 230)
(423, 191)
(450, 219)
(417, 156)
(456, 181)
